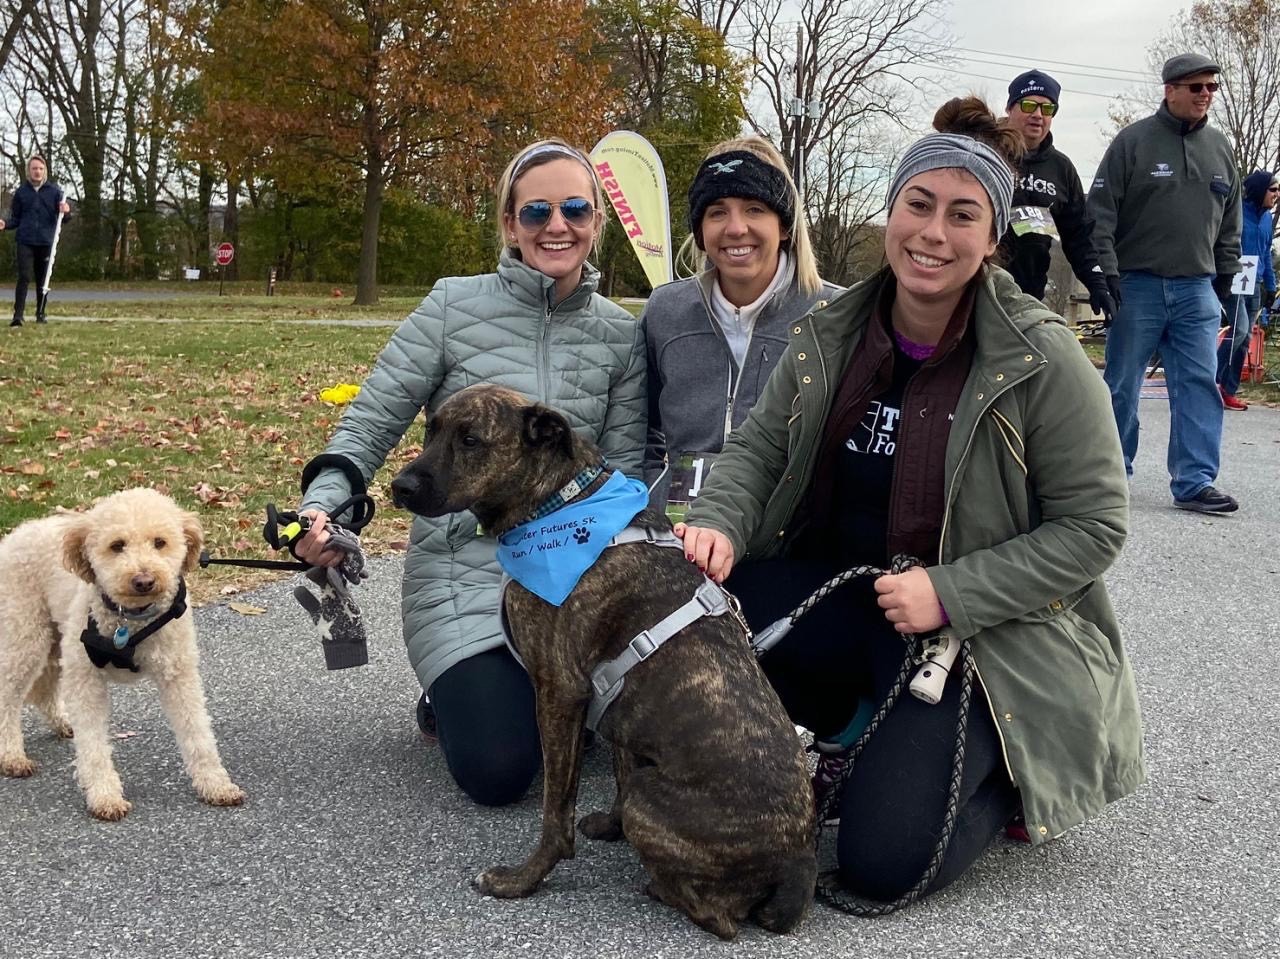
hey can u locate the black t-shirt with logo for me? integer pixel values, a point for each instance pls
(864, 473)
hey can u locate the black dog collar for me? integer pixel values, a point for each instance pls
(117, 649)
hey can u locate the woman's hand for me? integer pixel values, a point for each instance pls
(909, 601)
(709, 548)
(312, 547)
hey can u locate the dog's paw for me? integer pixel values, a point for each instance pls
(17, 768)
(503, 882)
(62, 729)
(602, 826)
(110, 809)
(222, 794)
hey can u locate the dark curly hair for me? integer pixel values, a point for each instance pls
(971, 117)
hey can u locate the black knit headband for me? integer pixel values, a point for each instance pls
(739, 173)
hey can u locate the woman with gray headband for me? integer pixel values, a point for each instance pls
(935, 411)
(538, 326)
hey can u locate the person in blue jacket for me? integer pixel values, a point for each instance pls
(34, 217)
(1261, 188)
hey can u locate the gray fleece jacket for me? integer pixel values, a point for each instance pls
(697, 393)
(1166, 200)
(585, 356)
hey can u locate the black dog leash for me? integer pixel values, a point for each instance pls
(283, 528)
(829, 888)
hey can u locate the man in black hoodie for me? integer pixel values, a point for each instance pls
(1048, 200)
(34, 216)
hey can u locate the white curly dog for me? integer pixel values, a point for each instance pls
(97, 597)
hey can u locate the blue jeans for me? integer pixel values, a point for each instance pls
(1179, 316)
(1235, 346)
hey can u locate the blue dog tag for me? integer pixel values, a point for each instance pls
(121, 637)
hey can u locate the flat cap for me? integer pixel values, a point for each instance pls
(1186, 65)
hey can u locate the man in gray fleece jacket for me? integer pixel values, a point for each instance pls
(1166, 209)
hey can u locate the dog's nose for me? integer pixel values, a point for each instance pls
(404, 488)
(143, 583)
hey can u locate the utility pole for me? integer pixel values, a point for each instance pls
(797, 116)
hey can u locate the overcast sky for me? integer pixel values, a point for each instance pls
(1080, 43)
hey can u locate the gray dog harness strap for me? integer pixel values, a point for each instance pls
(607, 678)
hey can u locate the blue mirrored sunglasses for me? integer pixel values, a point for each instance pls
(576, 211)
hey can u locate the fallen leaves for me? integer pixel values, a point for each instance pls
(246, 609)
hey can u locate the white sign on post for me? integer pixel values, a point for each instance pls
(1247, 278)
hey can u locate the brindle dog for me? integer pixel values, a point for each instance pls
(713, 789)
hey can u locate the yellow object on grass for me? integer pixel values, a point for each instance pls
(340, 395)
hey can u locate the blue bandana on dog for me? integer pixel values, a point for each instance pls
(548, 556)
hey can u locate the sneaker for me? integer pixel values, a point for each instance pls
(426, 718)
(1016, 828)
(1208, 500)
(1230, 402)
(832, 761)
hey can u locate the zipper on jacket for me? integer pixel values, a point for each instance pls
(942, 540)
(736, 382)
(544, 359)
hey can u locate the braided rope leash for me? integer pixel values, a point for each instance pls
(829, 888)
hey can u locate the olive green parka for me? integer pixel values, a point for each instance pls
(1036, 512)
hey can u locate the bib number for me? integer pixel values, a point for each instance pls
(689, 472)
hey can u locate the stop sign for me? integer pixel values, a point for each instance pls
(224, 254)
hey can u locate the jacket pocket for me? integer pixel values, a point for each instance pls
(1093, 648)
(462, 529)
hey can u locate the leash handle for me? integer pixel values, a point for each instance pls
(283, 528)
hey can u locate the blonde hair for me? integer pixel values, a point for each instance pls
(690, 259)
(545, 151)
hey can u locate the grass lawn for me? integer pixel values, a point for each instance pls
(220, 415)
(213, 400)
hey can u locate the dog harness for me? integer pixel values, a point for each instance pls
(607, 678)
(117, 650)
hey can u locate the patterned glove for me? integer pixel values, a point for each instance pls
(334, 612)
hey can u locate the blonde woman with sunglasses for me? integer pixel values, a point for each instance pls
(538, 326)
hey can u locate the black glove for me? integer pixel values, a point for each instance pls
(1268, 298)
(1102, 301)
(1113, 285)
(1222, 285)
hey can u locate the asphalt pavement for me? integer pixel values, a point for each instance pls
(354, 841)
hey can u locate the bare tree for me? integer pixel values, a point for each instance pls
(18, 11)
(850, 78)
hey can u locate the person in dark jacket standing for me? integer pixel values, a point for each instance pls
(34, 216)
(1261, 189)
(714, 338)
(1166, 212)
(1048, 199)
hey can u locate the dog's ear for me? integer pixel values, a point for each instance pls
(544, 427)
(193, 535)
(74, 556)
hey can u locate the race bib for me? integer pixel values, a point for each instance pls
(689, 472)
(1033, 219)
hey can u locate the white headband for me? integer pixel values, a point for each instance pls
(543, 150)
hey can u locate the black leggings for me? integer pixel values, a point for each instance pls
(33, 262)
(892, 810)
(488, 728)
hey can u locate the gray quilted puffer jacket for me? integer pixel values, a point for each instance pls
(585, 357)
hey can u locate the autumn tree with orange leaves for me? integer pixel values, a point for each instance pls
(429, 95)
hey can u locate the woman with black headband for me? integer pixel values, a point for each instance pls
(538, 326)
(714, 338)
(936, 411)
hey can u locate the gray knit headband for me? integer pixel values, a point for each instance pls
(543, 150)
(946, 151)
